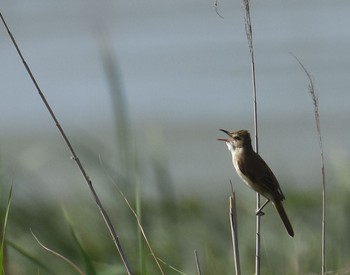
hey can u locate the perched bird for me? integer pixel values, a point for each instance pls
(254, 171)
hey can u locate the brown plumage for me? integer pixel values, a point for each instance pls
(254, 171)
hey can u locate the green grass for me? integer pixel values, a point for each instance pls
(84, 240)
(3, 230)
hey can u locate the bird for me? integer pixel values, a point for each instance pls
(254, 171)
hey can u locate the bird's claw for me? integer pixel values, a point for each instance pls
(259, 213)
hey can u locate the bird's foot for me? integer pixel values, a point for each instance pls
(259, 213)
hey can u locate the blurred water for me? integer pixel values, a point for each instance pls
(186, 73)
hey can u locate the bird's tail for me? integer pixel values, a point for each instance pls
(284, 217)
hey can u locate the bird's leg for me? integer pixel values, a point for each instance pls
(259, 212)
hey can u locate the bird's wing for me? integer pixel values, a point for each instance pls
(260, 174)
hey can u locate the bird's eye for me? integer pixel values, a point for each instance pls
(237, 138)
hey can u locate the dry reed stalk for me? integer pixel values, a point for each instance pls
(249, 33)
(103, 212)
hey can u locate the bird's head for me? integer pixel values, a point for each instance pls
(236, 139)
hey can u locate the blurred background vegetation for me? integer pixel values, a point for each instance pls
(141, 90)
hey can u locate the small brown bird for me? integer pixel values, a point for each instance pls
(254, 171)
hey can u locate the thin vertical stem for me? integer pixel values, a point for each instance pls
(249, 33)
(234, 232)
(199, 272)
(314, 98)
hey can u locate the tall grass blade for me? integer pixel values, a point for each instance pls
(119, 106)
(90, 270)
(171, 267)
(142, 252)
(142, 231)
(103, 212)
(59, 255)
(199, 271)
(31, 258)
(314, 98)
(2, 247)
(234, 233)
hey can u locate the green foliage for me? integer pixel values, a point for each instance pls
(199, 224)
(2, 247)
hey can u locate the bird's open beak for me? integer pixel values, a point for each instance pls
(227, 133)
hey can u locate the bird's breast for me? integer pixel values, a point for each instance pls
(246, 180)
